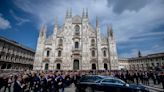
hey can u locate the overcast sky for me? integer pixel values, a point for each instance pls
(137, 24)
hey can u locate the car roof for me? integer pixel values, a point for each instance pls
(102, 76)
(105, 77)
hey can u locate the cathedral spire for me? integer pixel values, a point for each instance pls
(97, 22)
(110, 31)
(55, 26)
(83, 13)
(87, 13)
(67, 14)
(56, 22)
(42, 31)
(139, 53)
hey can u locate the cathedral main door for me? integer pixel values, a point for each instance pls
(93, 66)
(76, 65)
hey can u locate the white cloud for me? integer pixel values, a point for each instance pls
(19, 20)
(132, 5)
(134, 52)
(4, 23)
(131, 23)
(137, 18)
(46, 11)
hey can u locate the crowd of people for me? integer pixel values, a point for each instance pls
(55, 81)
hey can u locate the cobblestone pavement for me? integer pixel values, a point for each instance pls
(72, 88)
(154, 88)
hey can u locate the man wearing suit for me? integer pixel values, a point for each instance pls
(17, 84)
(162, 79)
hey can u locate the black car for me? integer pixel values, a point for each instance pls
(97, 83)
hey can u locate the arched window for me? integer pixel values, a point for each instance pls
(77, 30)
(3, 66)
(76, 44)
(59, 53)
(93, 53)
(93, 66)
(58, 66)
(9, 66)
(105, 66)
(46, 66)
(104, 53)
(60, 42)
(93, 42)
(137, 66)
(76, 65)
(48, 53)
(142, 66)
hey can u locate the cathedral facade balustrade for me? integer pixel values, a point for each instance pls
(76, 51)
(46, 59)
(76, 37)
(93, 60)
(93, 47)
(59, 58)
(60, 47)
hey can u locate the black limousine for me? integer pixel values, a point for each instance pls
(97, 83)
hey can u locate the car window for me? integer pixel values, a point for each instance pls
(85, 79)
(120, 81)
(109, 80)
(113, 81)
(90, 79)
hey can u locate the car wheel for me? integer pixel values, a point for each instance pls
(88, 89)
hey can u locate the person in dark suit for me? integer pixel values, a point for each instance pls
(5, 83)
(76, 78)
(43, 83)
(1, 82)
(36, 83)
(162, 79)
(17, 84)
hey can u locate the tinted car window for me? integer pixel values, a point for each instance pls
(109, 81)
(85, 79)
(90, 78)
(113, 81)
(120, 82)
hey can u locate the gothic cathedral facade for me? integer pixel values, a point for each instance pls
(76, 45)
